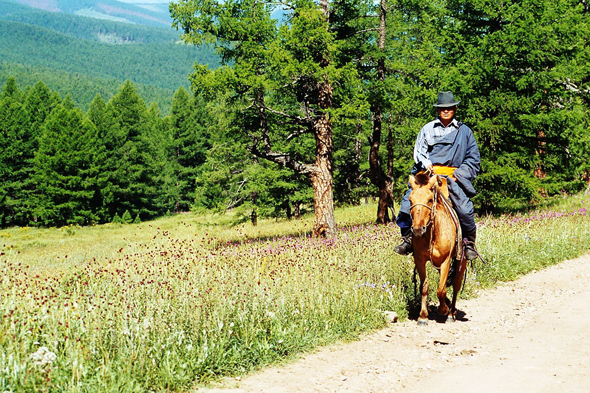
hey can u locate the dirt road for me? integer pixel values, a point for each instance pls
(531, 335)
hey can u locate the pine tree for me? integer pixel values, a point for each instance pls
(106, 142)
(21, 140)
(65, 170)
(10, 89)
(126, 218)
(15, 140)
(130, 183)
(188, 126)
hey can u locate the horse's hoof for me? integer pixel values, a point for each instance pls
(422, 322)
(450, 318)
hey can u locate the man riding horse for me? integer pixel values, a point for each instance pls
(447, 147)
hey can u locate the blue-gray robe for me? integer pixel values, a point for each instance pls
(457, 149)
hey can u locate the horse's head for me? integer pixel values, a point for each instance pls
(423, 200)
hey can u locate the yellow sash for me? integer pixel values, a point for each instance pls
(445, 170)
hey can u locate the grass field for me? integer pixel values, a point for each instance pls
(169, 304)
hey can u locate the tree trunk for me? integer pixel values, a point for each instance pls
(297, 210)
(323, 201)
(321, 175)
(539, 171)
(378, 177)
(288, 210)
(541, 153)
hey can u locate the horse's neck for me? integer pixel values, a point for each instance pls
(445, 211)
(443, 203)
(444, 188)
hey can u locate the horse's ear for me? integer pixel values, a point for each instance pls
(412, 181)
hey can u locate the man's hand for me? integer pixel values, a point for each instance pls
(430, 170)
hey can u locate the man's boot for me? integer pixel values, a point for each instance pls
(405, 247)
(470, 252)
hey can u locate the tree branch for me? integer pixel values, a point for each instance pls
(298, 133)
(296, 119)
(284, 160)
(366, 31)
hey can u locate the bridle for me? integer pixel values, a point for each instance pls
(431, 208)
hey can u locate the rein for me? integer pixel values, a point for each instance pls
(430, 222)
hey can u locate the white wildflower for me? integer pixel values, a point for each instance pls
(147, 323)
(43, 357)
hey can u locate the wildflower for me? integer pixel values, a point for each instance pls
(43, 357)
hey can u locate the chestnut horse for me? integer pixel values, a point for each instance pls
(436, 238)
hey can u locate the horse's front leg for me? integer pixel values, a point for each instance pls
(421, 268)
(441, 293)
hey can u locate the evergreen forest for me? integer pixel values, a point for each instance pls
(286, 115)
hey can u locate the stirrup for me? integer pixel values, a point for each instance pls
(470, 251)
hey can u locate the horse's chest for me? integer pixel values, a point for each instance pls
(437, 254)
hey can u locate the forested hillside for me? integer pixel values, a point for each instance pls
(165, 65)
(84, 56)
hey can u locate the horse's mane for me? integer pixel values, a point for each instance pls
(422, 178)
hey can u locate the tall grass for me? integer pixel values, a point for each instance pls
(164, 305)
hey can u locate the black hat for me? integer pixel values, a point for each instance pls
(445, 100)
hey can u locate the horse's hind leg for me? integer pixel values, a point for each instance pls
(457, 284)
(421, 268)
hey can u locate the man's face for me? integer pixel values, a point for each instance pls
(446, 114)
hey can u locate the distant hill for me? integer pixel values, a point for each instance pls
(87, 28)
(151, 13)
